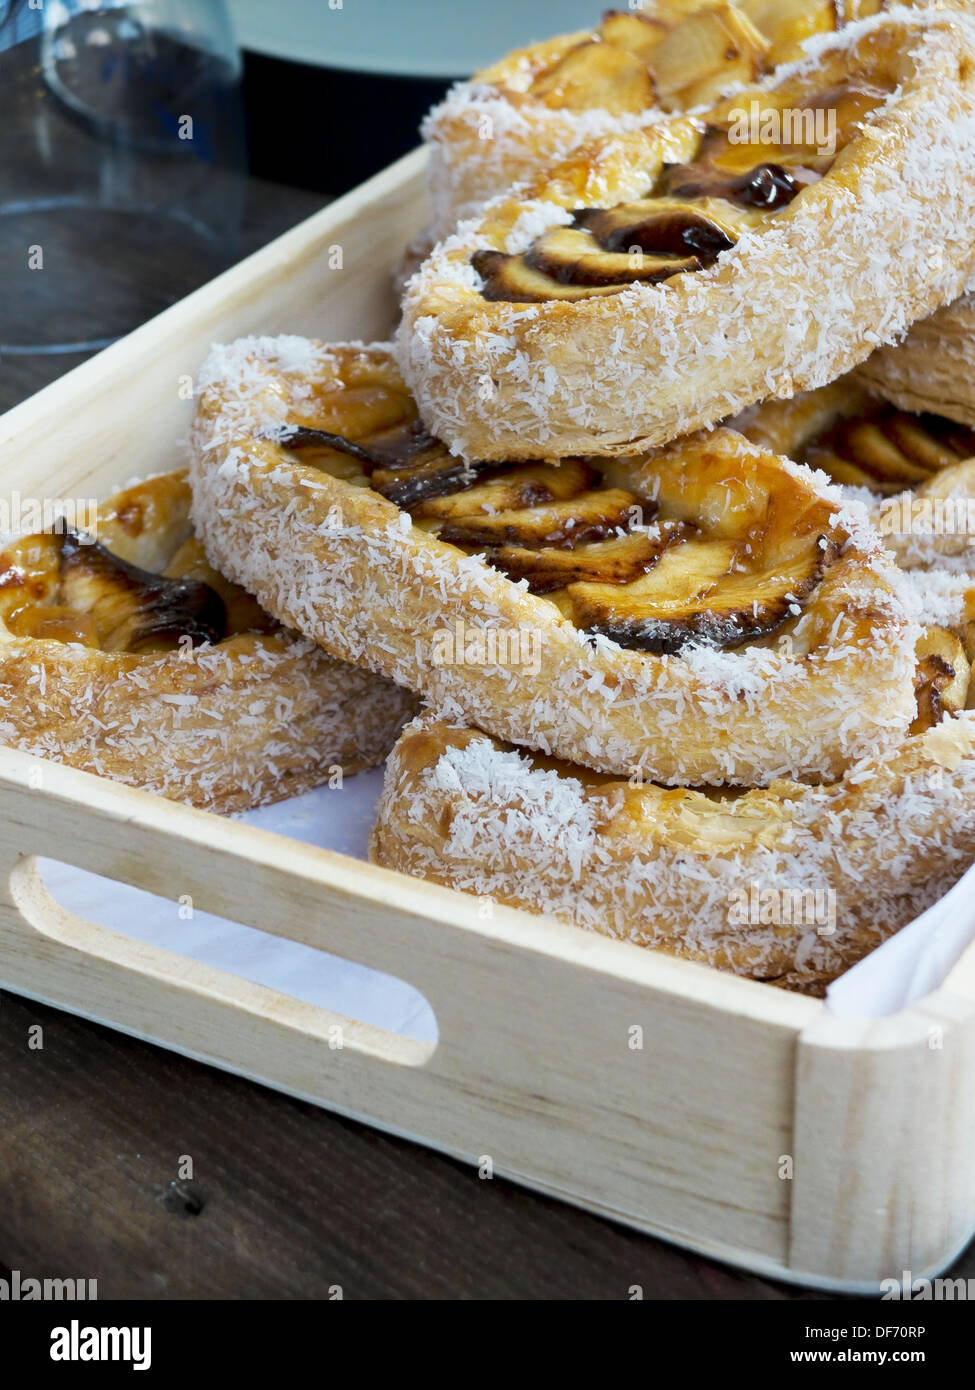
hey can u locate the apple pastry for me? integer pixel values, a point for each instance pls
(664, 279)
(130, 657)
(916, 471)
(515, 119)
(791, 883)
(531, 109)
(518, 117)
(708, 613)
(933, 367)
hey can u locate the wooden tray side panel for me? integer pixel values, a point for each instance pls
(885, 1165)
(536, 1066)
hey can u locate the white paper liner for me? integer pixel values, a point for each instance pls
(903, 970)
(911, 964)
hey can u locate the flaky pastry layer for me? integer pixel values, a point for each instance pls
(791, 884)
(933, 367)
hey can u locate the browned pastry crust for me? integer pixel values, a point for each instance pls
(791, 884)
(661, 280)
(707, 613)
(133, 659)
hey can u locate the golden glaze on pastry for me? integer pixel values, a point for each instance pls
(707, 613)
(933, 368)
(917, 470)
(791, 884)
(132, 658)
(522, 115)
(597, 312)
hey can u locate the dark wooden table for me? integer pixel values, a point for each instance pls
(287, 1200)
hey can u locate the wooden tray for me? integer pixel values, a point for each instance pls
(689, 1138)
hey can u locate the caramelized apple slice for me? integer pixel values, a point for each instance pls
(841, 470)
(707, 54)
(661, 225)
(509, 278)
(617, 561)
(54, 623)
(942, 677)
(853, 102)
(574, 257)
(956, 437)
(887, 450)
(762, 183)
(638, 33)
(134, 611)
(515, 487)
(357, 411)
(697, 593)
(676, 583)
(399, 447)
(863, 9)
(865, 443)
(591, 516)
(596, 76)
(788, 23)
(406, 465)
(438, 478)
(244, 613)
(917, 443)
(28, 575)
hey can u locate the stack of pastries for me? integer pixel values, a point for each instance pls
(658, 503)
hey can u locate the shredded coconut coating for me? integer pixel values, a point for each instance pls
(677, 870)
(226, 727)
(945, 598)
(881, 241)
(348, 569)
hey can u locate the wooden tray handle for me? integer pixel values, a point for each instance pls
(534, 1018)
(219, 866)
(126, 956)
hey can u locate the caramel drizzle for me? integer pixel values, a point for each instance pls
(107, 603)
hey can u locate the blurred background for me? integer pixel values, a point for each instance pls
(150, 144)
(354, 80)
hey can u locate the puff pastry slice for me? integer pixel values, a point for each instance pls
(124, 653)
(663, 279)
(790, 884)
(709, 614)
